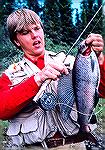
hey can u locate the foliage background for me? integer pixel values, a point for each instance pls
(61, 30)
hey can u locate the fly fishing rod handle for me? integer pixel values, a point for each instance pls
(42, 89)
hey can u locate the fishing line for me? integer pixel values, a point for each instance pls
(82, 32)
(96, 113)
(74, 109)
(79, 111)
(96, 23)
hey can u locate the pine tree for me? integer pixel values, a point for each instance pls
(83, 14)
(17, 4)
(52, 25)
(99, 20)
(68, 34)
(77, 24)
(96, 25)
(34, 5)
(89, 8)
(6, 7)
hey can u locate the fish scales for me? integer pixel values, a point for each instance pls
(65, 94)
(86, 76)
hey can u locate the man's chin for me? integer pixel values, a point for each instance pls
(39, 53)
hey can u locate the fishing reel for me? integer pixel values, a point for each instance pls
(48, 101)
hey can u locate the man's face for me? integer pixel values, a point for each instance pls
(31, 41)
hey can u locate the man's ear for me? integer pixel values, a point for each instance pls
(16, 42)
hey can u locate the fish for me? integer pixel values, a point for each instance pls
(86, 78)
(80, 86)
(65, 95)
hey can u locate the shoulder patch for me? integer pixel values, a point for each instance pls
(15, 67)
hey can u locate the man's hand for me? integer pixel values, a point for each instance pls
(50, 71)
(97, 44)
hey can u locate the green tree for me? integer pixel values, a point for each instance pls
(83, 14)
(52, 24)
(77, 24)
(68, 33)
(5, 9)
(58, 21)
(34, 5)
(99, 18)
(18, 4)
(99, 2)
(89, 8)
(92, 9)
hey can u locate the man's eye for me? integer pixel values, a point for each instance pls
(36, 28)
(25, 32)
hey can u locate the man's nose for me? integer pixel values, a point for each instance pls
(33, 34)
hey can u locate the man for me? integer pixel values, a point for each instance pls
(102, 71)
(22, 82)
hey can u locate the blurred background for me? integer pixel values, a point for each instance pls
(63, 22)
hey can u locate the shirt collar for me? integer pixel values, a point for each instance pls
(36, 60)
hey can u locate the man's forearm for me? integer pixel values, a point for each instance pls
(13, 100)
(101, 58)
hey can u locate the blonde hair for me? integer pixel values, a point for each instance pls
(19, 19)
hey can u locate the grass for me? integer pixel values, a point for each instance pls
(100, 113)
(3, 124)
